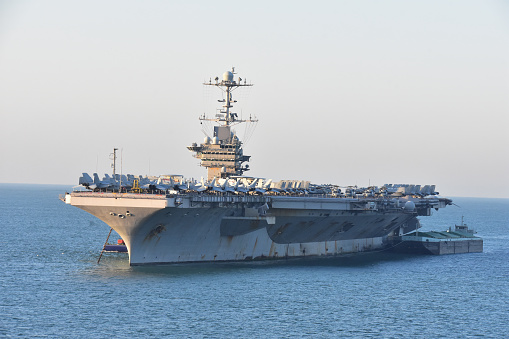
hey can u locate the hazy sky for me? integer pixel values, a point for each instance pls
(347, 92)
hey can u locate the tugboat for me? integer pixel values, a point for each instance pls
(463, 228)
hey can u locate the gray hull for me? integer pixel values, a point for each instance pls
(161, 229)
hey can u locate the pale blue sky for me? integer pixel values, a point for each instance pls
(347, 92)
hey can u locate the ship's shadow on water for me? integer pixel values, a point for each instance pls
(118, 266)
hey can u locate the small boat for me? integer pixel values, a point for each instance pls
(119, 247)
(463, 228)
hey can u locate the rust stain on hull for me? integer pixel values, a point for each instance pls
(272, 248)
(155, 232)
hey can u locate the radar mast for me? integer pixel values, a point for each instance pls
(223, 155)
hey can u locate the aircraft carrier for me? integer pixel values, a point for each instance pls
(233, 217)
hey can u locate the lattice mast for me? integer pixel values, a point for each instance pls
(222, 154)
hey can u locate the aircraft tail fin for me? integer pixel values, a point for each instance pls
(85, 179)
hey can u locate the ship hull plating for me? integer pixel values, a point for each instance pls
(161, 230)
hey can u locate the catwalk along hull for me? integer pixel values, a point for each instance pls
(161, 229)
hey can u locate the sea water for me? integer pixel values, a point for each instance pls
(52, 286)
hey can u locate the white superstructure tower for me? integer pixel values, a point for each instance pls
(222, 154)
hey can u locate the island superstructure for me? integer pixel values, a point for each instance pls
(222, 154)
(231, 217)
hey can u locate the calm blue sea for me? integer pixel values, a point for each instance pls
(52, 286)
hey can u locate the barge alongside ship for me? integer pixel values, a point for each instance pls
(459, 240)
(231, 217)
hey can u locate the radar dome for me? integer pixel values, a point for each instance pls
(206, 140)
(409, 206)
(215, 140)
(228, 76)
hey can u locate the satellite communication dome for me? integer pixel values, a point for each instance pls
(223, 169)
(409, 206)
(228, 76)
(215, 140)
(206, 140)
